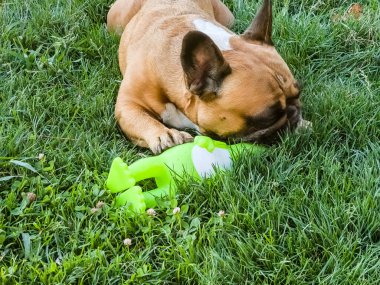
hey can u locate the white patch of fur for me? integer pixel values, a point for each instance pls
(176, 119)
(220, 36)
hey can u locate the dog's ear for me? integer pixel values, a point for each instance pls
(261, 27)
(203, 64)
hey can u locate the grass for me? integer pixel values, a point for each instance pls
(307, 212)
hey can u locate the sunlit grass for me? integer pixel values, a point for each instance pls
(307, 212)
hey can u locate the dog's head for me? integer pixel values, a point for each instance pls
(247, 91)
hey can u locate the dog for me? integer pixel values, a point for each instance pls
(184, 69)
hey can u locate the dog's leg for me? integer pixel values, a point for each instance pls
(121, 12)
(142, 127)
(222, 14)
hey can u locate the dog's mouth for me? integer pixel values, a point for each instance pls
(262, 136)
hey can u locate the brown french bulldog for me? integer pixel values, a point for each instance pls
(184, 69)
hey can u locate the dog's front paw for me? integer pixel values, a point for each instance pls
(167, 139)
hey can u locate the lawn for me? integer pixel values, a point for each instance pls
(306, 212)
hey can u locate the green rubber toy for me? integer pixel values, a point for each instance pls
(198, 159)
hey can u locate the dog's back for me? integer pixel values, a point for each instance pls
(122, 11)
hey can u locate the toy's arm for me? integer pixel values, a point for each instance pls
(208, 143)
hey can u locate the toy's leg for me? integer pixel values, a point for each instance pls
(153, 167)
(133, 198)
(122, 176)
(119, 177)
(151, 196)
(137, 201)
(150, 167)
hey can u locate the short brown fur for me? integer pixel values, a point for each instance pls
(153, 34)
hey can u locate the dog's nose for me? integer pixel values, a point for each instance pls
(293, 114)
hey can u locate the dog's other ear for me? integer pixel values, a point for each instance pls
(261, 27)
(203, 64)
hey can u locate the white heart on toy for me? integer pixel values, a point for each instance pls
(205, 162)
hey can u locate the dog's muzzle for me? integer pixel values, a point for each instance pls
(289, 122)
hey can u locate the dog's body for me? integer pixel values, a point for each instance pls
(182, 68)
